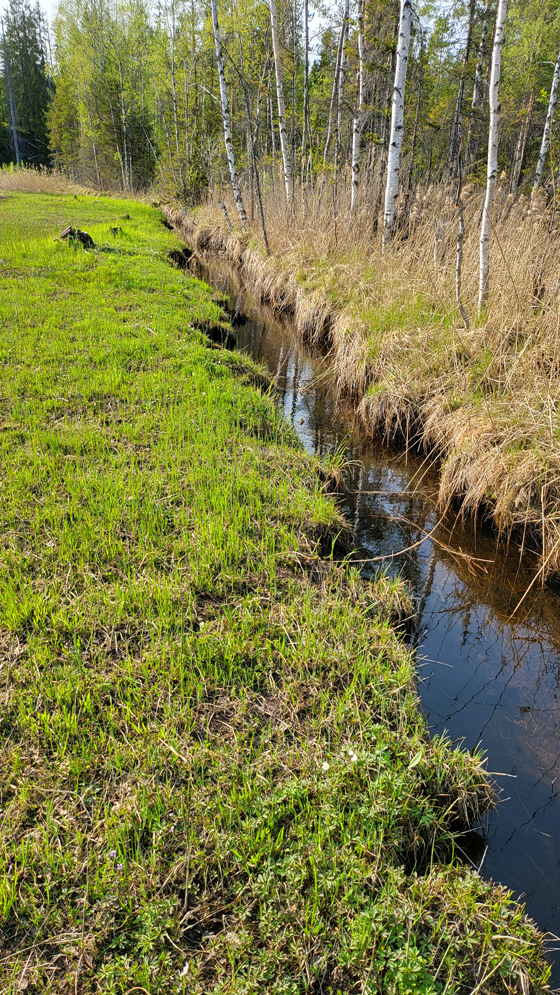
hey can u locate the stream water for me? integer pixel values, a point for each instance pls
(490, 680)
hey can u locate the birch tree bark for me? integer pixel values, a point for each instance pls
(357, 122)
(286, 159)
(397, 119)
(226, 119)
(548, 124)
(493, 140)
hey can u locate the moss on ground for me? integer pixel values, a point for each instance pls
(214, 776)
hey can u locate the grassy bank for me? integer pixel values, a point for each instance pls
(483, 400)
(213, 773)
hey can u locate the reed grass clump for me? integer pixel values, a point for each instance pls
(28, 179)
(213, 771)
(483, 400)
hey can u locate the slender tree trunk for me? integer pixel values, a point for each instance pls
(305, 136)
(357, 122)
(119, 153)
(93, 144)
(522, 144)
(460, 239)
(294, 71)
(455, 142)
(342, 79)
(420, 85)
(493, 140)
(186, 88)
(272, 130)
(397, 119)
(286, 160)
(253, 160)
(225, 118)
(164, 124)
(548, 125)
(478, 87)
(127, 176)
(336, 80)
(174, 79)
(10, 95)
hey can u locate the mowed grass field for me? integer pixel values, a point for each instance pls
(213, 773)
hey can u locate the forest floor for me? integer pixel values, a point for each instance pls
(214, 775)
(484, 400)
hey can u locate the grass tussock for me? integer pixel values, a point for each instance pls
(213, 772)
(484, 400)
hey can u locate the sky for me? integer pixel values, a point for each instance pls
(49, 8)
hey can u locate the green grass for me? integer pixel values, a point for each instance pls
(214, 776)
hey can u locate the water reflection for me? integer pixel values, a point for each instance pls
(489, 679)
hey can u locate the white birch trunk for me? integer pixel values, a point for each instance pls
(493, 140)
(548, 124)
(286, 158)
(397, 122)
(225, 118)
(357, 123)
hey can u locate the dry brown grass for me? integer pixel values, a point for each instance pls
(484, 400)
(27, 180)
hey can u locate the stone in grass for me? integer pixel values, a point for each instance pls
(75, 235)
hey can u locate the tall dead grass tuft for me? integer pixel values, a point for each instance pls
(484, 400)
(26, 179)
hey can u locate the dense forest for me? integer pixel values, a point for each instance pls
(128, 94)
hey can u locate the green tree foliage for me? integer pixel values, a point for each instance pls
(31, 85)
(133, 96)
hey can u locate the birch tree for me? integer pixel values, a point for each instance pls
(397, 122)
(548, 124)
(226, 119)
(493, 141)
(286, 158)
(357, 122)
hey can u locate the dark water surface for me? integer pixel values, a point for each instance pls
(487, 679)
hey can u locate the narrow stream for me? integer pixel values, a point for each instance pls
(487, 679)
